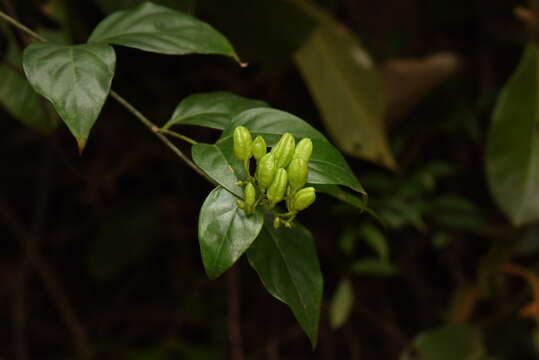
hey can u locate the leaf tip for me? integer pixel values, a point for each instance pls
(81, 144)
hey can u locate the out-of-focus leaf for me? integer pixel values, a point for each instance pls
(214, 110)
(280, 23)
(448, 343)
(346, 86)
(376, 240)
(374, 267)
(159, 29)
(512, 156)
(19, 98)
(110, 6)
(125, 238)
(225, 231)
(287, 264)
(348, 240)
(528, 243)
(341, 304)
(75, 79)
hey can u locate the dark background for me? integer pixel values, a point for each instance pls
(102, 247)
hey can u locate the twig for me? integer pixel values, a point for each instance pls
(234, 327)
(49, 279)
(128, 106)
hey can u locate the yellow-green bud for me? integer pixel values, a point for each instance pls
(304, 149)
(297, 174)
(284, 150)
(276, 222)
(265, 171)
(277, 188)
(259, 147)
(250, 198)
(303, 199)
(242, 143)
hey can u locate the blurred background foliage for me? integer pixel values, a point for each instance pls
(100, 253)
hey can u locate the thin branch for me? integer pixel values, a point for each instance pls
(155, 129)
(49, 279)
(178, 135)
(21, 26)
(150, 125)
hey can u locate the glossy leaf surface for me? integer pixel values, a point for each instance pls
(287, 264)
(346, 86)
(512, 157)
(159, 29)
(326, 166)
(220, 164)
(225, 231)
(214, 109)
(75, 79)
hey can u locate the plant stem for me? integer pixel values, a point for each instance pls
(150, 125)
(178, 135)
(21, 26)
(154, 129)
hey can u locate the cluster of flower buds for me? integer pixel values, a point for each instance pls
(280, 174)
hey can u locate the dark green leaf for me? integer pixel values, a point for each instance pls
(220, 164)
(287, 264)
(225, 231)
(158, 29)
(373, 267)
(214, 110)
(19, 98)
(376, 240)
(110, 6)
(512, 156)
(327, 165)
(341, 304)
(448, 343)
(346, 86)
(76, 79)
(344, 196)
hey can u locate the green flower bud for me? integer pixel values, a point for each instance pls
(259, 147)
(303, 199)
(277, 188)
(265, 171)
(250, 198)
(297, 174)
(276, 222)
(242, 143)
(284, 150)
(304, 149)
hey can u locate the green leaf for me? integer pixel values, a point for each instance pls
(512, 155)
(110, 6)
(374, 267)
(225, 231)
(376, 240)
(75, 79)
(327, 165)
(19, 98)
(344, 196)
(214, 109)
(220, 164)
(342, 304)
(448, 343)
(346, 86)
(287, 264)
(158, 29)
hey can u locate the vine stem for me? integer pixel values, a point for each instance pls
(129, 107)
